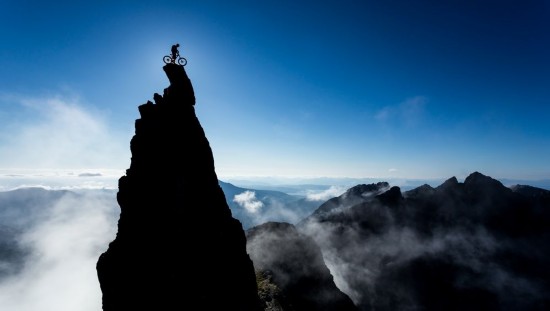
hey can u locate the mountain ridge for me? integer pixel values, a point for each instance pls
(440, 248)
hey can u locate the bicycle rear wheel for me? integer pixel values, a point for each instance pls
(167, 59)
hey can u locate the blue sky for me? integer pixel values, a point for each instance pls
(384, 89)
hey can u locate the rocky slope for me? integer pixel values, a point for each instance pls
(291, 273)
(472, 245)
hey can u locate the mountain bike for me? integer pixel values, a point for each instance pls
(179, 60)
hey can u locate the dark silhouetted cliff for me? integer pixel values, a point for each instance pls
(178, 246)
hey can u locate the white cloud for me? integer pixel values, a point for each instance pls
(60, 133)
(60, 274)
(327, 194)
(248, 200)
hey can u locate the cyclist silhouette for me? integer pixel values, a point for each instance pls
(174, 57)
(175, 52)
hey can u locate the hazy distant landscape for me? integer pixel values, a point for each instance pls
(55, 237)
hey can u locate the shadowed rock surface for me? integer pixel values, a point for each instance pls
(476, 245)
(352, 196)
(178, 246)
(292, 275)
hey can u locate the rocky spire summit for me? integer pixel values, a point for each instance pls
(177, 246)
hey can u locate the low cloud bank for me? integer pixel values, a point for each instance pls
(63, 244)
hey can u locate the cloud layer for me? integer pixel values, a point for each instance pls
(64, 243)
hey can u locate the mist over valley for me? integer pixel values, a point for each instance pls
(476, 242)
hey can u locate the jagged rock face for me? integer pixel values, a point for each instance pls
(352, 196)
(292, 275)
(476, 245)
(177, 246)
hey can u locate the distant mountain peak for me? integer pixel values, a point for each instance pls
(477, 183)
(449, 183)
(477, 177)
(367, 190)
(391, 197)
(423, 190)
(354, 195)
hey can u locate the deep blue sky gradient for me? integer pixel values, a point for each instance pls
(413, 89)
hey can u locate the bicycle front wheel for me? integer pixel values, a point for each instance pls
(182, 61)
